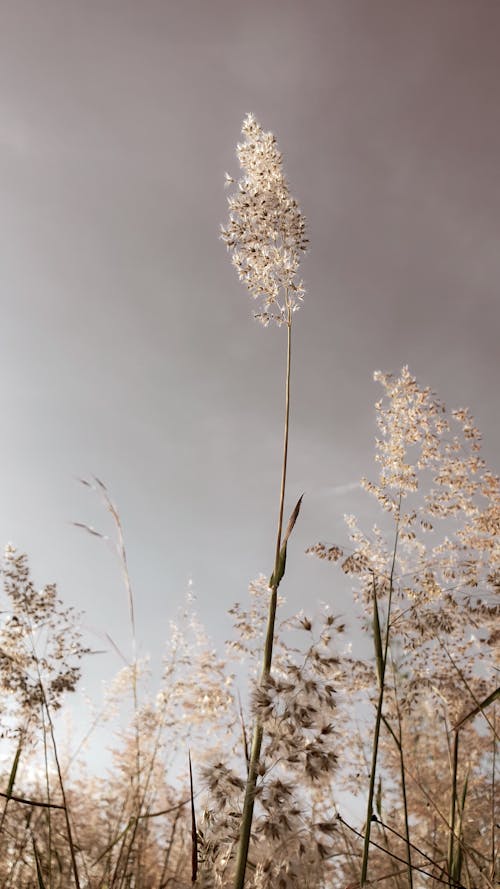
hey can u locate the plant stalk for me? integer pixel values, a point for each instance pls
(253, 765)
(453, 812)
(381, 658)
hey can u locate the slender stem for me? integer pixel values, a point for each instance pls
(63, 793)
(395, 873)
(415, 867)
(169, 849)
(403, 777)
(416, 848)
(453, 813)
(12, 778)
(480, 706)
(135, 778)
(248, 804)
(46, 709)
(378, 719)
(47, 785)
(493, 823)
(285, 437)
(371, 789)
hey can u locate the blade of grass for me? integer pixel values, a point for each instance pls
(194, 832)
(377, 640)
(12, 780)
(13, 771)
(479, 709)
(39, 874)
(458, 856)
(453, 809)
(279, 569)
(244, 734)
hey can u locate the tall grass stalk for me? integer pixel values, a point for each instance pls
(453, 811)
(381, 653)
(493, 788)
(69, 830)
(126, 848)
(168, 850)
(266, 232)
(48, 792)
(10, 784)
(402, 771)
(279, 568)
(39, 873)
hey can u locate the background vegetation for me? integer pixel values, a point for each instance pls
(222, 780)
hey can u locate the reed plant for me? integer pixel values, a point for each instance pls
(339, 763)
(266, 235)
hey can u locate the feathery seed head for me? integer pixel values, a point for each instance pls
(266, 230)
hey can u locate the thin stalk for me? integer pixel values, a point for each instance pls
(416, 867)
(458, 858)
(30, 802)
(403, 779)
(10, 786)
(381, 659)
(405, 808)
(18, 855)
(136, 779)
(248, 804)
(63, 794)
(194, 831)
(169, 850)
(493, 767)
(40, 880)
(453, 811)
(123, 837)
(46, 709)
(350, 852)
(141, 799)
(480, 706)
(47, 786)
(395, 873)
(400, 836)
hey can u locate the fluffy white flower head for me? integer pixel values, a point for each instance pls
(266, 230)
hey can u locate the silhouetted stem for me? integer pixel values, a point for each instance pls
(453, 811)
(380, 702)
(63, 794)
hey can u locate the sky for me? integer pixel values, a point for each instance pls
(127, 344)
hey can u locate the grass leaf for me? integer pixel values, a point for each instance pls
(13, 771)
(279, 570)
(39, 875)
(194, 832)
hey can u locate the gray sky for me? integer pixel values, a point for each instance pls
(127, 344)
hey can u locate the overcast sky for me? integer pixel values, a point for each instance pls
(127, 344)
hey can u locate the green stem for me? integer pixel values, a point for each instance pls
(248, 804)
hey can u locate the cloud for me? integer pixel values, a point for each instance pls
(334, 490)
